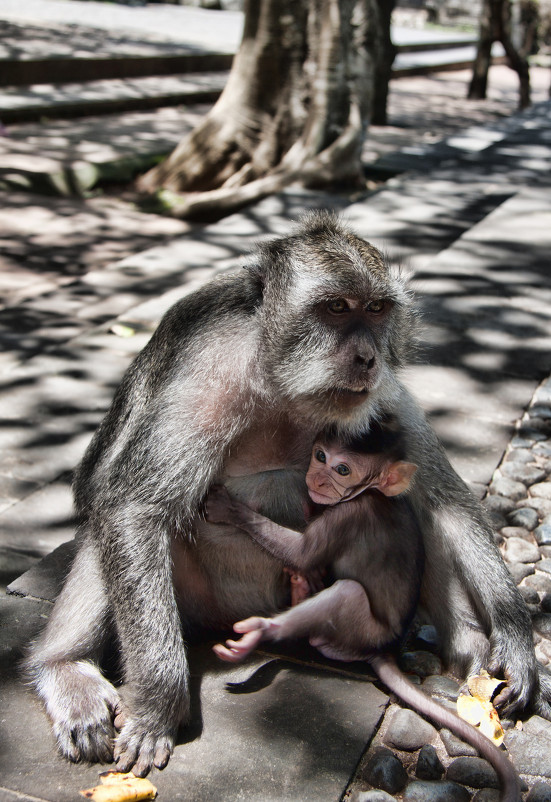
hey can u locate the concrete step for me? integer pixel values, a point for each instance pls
(103, 86)
(107, 96)
(32, 54)
(415, 61)
(68, 69)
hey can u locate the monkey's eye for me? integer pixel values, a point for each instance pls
(337, 306)
(343, 470)
(376, 306)
(320, 455)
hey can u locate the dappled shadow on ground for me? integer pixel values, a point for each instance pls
(486, 303)
(424, 109)
(27, 41)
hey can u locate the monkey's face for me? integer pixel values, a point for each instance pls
(335, 474)
(335, 355)
(335, 323)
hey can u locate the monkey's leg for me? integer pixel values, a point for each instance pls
(62, 664)
(338, 621)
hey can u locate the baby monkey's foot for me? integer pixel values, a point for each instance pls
(254, 630)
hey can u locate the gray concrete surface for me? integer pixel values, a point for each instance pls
(84, 283)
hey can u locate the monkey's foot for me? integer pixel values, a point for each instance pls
(254, 630)
(81, 704)
(139, 750)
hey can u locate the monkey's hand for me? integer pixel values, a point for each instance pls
(220, 507)
(522, 690)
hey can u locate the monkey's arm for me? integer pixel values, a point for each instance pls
(467, 590)
(153, 458)
(317, 546)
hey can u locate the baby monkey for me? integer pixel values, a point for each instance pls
(364, 528)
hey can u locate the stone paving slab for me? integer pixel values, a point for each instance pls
(282, 730)
(199, 28)
(47, 41)
(63, 389)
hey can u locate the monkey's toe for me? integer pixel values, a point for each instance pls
(93, 744)
(138, 750)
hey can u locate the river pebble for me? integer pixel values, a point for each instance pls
(517, 550)
(520, 570)
(384, 770)
(408, 731)
(422, 663)
(541, 582)
(508, 487)
(543, 534)
(524, 516)
(540, 792)
(374, 796)
(501, 504)
(519, 472)
(530, 595)
(473, 771)
(520, 455)
(542, 624)
(487, 795)
(542, 490)
(442, 687)
(517, 531)
(455, 746)
(428, 765)
(435, 791)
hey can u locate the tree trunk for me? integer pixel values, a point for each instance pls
(295, 109)
(495, 26)
(486, 38)
(383, 62)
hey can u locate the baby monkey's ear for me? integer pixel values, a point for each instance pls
(395, 478)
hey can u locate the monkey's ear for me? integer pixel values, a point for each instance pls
(396, 477)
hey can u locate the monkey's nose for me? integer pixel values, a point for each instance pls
(367, 361)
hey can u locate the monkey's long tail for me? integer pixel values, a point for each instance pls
(387, 670)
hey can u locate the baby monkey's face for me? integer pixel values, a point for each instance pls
(336, 474)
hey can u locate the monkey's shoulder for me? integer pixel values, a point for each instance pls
(234, 297)
(205, 338)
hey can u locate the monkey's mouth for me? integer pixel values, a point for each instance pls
(322, 498)
(350, 392)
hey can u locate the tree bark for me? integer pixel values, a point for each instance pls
(383, 62)
(295, 108)
(495, 26)
(486, 37)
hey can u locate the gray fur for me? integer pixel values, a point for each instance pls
(217, 396)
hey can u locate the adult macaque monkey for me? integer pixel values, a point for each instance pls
(231, 389)
(370, 537)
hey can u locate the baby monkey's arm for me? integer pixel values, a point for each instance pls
(317, 546)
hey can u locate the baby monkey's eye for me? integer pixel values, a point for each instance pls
(343, 470)
(320, 455)
(376, 306)
(337, 306)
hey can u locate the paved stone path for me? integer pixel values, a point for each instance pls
(472, 219)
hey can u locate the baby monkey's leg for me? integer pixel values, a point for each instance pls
(338, 621)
